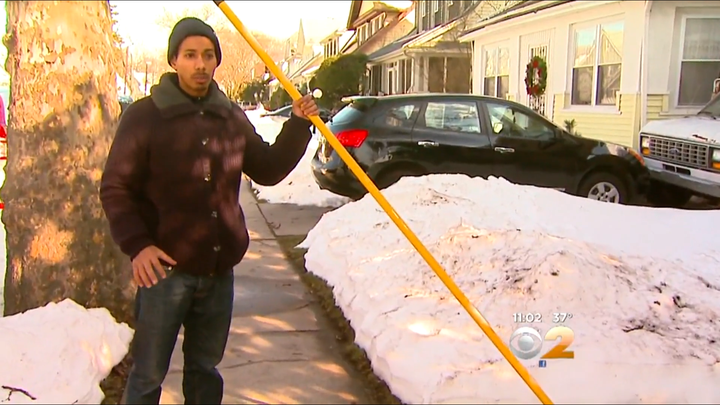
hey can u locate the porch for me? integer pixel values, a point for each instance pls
(425, 62)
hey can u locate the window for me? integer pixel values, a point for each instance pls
(453, 116)
(423, 7)
(402, 116)
(506, 121)
(597, 67)
(435, 6)
(497, 72)
(700, 64)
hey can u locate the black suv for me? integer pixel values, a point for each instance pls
(418, 134)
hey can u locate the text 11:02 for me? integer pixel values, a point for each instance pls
(519, 317)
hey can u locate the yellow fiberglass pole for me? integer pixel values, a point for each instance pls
(389, 210)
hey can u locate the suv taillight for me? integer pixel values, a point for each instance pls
(352, 138)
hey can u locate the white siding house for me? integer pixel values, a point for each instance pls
(612, 65)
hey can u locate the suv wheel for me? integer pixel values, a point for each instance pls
(604, 187)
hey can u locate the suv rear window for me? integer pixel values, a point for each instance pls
(353, 111)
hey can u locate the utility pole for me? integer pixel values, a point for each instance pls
(127, 69)
(147, 65)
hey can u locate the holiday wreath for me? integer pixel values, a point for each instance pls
(536, 76)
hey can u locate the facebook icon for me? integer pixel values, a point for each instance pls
(543, 363)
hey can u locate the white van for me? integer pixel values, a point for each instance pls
(683, 156)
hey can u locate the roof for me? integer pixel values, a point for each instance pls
(351, 45)
(377, 9)
(442, 29)
(430, 95)
(355, 7)
(436, 96)
(388, 28)
(518, 10)
(394, 46)
(332, 35)
(317, 59)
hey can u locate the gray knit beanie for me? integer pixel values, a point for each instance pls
(190, 27)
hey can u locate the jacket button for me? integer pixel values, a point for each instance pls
(205, 141)
(216, 248)
(214, 214)
(207, 177)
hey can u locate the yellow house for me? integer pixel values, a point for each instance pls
(612, 65)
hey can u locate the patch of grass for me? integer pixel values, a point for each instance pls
(377, 389)
(114, 384)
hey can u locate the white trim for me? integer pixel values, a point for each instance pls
(644, 50)
(554, 12)
(676, 107)
(505, 44)
(389, 58)
(596, 24)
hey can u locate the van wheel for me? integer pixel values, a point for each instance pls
(604, 187)
(393, 175)
(666, 195)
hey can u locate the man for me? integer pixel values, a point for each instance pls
(170, 193)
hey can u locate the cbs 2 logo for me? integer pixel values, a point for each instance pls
(529, 343)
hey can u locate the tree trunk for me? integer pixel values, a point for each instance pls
(62, 61)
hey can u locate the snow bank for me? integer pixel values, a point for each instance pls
(59, 353)
(299, 187)
(642, 284)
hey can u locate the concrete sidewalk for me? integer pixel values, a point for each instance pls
(280, 350)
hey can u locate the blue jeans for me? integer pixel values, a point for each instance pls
(203, 305)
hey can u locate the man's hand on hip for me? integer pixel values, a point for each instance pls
(305, 107)
(147, 266)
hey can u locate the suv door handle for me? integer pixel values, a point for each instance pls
(428, 144)
(504, 150)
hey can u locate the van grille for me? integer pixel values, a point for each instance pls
(674, 151)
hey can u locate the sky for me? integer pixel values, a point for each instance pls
(137, 20)
(280, 19)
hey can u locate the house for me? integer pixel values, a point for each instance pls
(295, 51)
(376, 24)
(430, 58)
(612, 65)
(306, 71)
(294, 55)
(258, 71)
(330, 46)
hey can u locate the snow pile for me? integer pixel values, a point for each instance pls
(299, 186)
(642, 285)
(59, 354)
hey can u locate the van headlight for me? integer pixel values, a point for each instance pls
(715, 159)
(644, 145)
